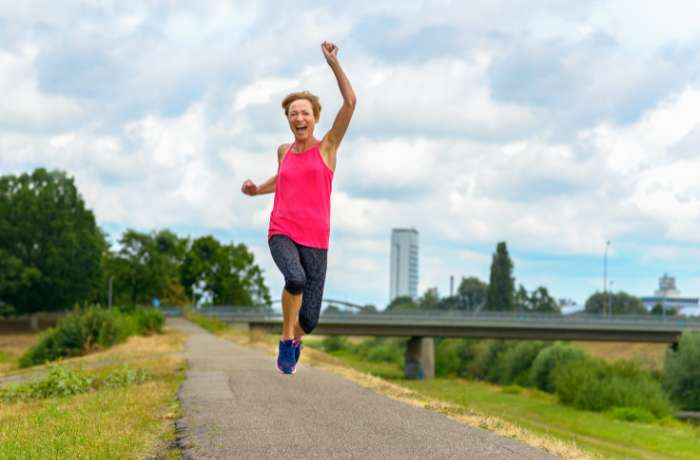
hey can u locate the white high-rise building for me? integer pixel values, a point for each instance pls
(404, 263)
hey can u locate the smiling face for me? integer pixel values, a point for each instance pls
(301, 119)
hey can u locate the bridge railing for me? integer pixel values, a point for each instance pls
(230, 312)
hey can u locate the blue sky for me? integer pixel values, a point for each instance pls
(553, 127)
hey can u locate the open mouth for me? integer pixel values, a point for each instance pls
(301, 129)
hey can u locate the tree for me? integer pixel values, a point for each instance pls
(226, 274)
(429, 300)
(50, 245)
(538, 301)
(501, 282)
(472, 292)
(141, 272)
(401, 303)
(659, 310)
(621, 303)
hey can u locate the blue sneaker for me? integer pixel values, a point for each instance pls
(286, 363)
(297, 349)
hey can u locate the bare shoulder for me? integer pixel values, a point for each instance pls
(281, 150)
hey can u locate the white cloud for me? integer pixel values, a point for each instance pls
(23, 106)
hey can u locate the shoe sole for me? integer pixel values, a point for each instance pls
(279, 369)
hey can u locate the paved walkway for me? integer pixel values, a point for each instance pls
(237, 406)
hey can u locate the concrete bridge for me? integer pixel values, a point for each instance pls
(422, 326)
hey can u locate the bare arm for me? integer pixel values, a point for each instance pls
(335, 135)
(269, 186)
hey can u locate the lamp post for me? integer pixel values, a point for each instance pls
(605, 274)
(609, 303)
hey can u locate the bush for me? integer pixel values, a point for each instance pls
(593, 384)
(449, 357)
(682, 371)
(632, 414)
(62, 380)
(149, 321)
(513, 364)
(481, 364)
(93, 327)
(335, 343)
(549, 359)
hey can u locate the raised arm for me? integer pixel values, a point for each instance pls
(332, 139)
(269, 186)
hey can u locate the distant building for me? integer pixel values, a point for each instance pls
(669, 297)
(404, 263)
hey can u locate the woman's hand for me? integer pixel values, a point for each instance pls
(249, 188)
(330, 52)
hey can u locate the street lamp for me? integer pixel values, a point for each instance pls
(609, 305)
(605, 274)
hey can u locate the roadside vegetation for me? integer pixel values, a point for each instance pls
(92, 328)
(615, 409)
(117, 403)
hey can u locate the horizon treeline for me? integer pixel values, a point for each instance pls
(53, 256)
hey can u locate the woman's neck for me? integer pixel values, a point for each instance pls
(302, 146)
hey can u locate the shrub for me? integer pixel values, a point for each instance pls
(62, 380)
(449, 355)
(388, 352)
(90, 328)
(513, 364)
(593, 384)
(483, 359)
(632, 414)
(335, 343)
(149, 321)
(549, 359)
(512, 389)
(682, 371)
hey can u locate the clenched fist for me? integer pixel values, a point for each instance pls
(249, 188)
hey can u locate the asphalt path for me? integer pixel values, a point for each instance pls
(235, 405)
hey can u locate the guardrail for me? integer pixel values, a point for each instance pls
(504, 325)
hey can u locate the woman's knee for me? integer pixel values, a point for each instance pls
(295, 284)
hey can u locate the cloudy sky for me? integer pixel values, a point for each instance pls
(553, 128)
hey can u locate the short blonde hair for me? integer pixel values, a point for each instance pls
(312, 98)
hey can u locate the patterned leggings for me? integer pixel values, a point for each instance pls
(304, 271)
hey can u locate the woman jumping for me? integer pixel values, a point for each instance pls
(300, 219)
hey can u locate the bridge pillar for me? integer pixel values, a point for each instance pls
(420, 358)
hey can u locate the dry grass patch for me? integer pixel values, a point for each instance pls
(649, 355)
(12, 346)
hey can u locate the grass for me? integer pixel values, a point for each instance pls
(540, 413)
(135, 421)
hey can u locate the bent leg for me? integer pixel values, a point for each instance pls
(314, 262)
(286, 256)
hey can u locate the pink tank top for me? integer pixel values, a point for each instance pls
(302, 208)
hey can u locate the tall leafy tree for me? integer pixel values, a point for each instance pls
(147, 266)
(223, 274)
(501, 282)
(473, 293)
(50, 244)
(620, 303)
